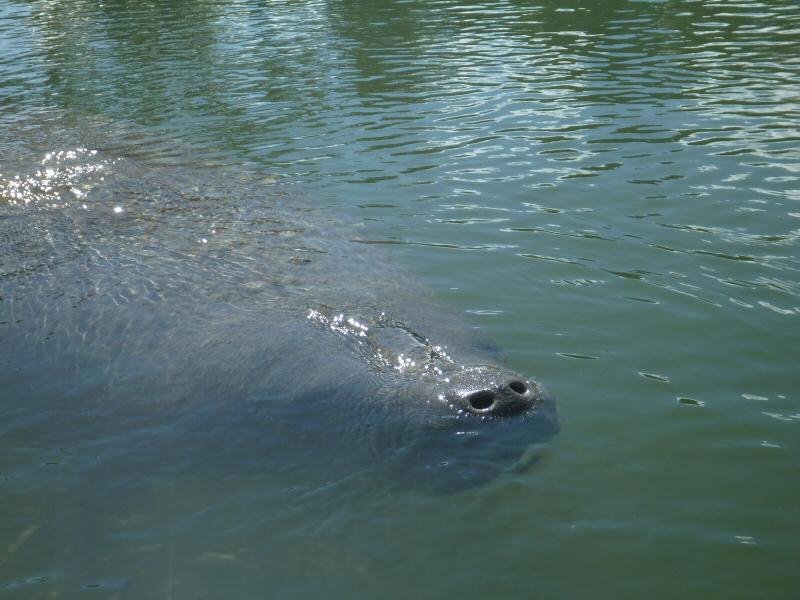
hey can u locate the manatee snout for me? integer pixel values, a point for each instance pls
(492, 392)
(507, 399)
(493, 418)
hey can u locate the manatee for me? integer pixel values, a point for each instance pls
(169, 315)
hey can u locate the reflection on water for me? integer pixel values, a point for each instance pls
(610, 189)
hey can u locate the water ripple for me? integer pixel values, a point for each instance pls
(614, 183)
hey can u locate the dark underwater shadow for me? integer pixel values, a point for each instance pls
(167, 385)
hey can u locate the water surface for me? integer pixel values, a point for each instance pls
(610, 190)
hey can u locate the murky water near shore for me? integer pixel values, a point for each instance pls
(610, 190)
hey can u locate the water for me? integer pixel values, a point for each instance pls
(609, 189)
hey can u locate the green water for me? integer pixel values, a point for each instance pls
(611, 189)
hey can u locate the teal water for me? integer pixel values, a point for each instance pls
(611, 190)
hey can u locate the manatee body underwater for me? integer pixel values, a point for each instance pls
(163, 316)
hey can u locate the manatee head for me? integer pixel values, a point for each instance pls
(478, 421)
(442, 417)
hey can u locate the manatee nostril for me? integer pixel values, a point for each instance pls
(481, 400)
(518, 386)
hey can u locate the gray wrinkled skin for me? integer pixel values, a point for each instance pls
(160, 316)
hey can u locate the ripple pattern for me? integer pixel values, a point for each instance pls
(611, 188)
